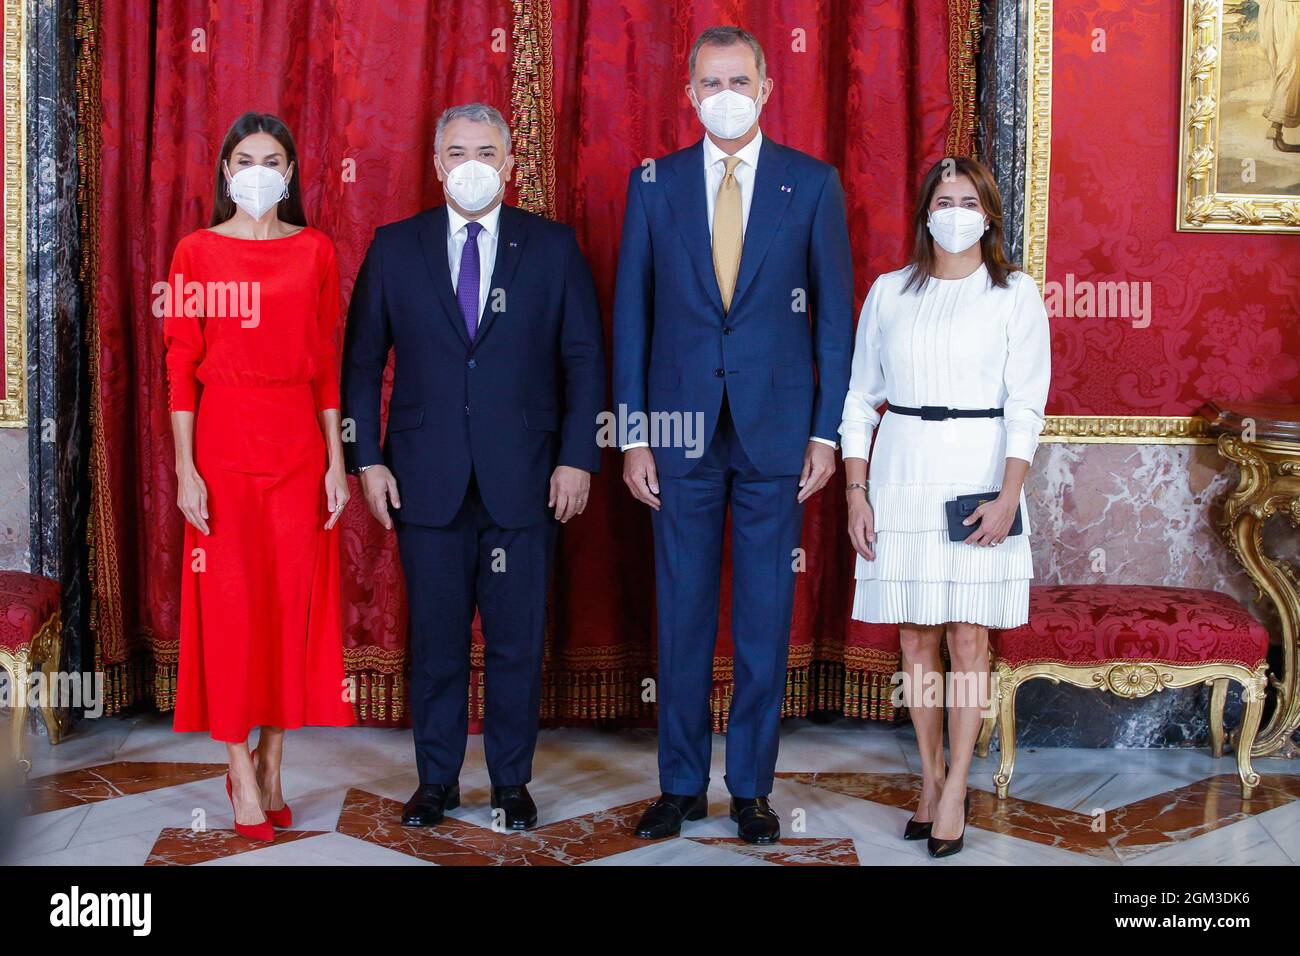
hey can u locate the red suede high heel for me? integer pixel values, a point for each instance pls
(262, 832)
(281, 819)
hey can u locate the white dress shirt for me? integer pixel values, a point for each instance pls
(487, 250)
(715, 170)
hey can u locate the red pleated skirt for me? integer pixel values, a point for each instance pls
(261, 626)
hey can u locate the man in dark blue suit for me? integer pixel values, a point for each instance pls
(499, 375)
(733, 309)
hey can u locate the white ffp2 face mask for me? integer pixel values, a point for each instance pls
(472, 184)
(727, 114)
(956, 229)
(257, 189)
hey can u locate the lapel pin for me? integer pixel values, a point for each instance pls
(787, 189)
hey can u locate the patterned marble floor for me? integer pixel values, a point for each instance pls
(132, 792)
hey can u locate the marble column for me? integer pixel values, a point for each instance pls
(1002, 107)
(58, 436)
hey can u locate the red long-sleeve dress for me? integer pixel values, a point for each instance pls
(253, 322)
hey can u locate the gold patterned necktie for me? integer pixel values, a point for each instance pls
(727, 232)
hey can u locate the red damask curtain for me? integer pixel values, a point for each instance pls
(592, 87)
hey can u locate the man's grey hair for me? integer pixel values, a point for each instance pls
(475, 113)
(727, 36)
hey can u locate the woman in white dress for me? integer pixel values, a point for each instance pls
(959, 330)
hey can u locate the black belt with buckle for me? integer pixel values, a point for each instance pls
(938, 413)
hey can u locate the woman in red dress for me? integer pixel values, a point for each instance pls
(251, 311)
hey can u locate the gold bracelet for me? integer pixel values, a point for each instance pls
(856, 484)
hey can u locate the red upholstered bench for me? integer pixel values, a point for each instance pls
(31, 639)
(1132, 641)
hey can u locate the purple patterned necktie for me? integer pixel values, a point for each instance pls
(467, 284)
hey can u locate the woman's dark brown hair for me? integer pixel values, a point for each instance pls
(986, 187)
(290, 208)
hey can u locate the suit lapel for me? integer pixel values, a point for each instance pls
(433, 241)
(685, 190)
(772, 193)
(511, 236)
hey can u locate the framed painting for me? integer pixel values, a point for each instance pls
(1239, 147)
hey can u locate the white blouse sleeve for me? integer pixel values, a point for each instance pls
(1028, 370)
(867, 384)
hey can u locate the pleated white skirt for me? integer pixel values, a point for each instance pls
(918, 575)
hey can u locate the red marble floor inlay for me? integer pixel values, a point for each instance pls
(182, 846)
(73, 788)
(1198, 808)
(1125, 833)
(456, 842)
(801, 851)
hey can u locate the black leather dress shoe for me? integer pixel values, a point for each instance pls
(517, 807)
(664, 817)
(756, 821)
(429, 804)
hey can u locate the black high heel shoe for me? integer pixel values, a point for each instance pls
(941, 848)
(920, 831)
(917, 831)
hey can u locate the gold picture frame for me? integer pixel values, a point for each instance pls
(1038, 137)
(13, 403)
(1203, 205)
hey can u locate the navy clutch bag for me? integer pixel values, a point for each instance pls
(963, 506)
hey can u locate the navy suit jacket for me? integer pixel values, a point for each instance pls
(517, 401)
(784, 350)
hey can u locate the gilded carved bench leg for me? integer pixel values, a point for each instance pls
(19, 679)
(1005, 685)
(1218, 696)
(1252, 696)
(990, 711)
(50, 644)
(986, 734)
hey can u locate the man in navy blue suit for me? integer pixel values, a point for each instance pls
(733, 309)
(499, 375)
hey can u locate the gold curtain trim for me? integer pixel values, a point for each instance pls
(136, 681)
(597, 696)
(112, 657)
(532, 107)
(964, 26)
